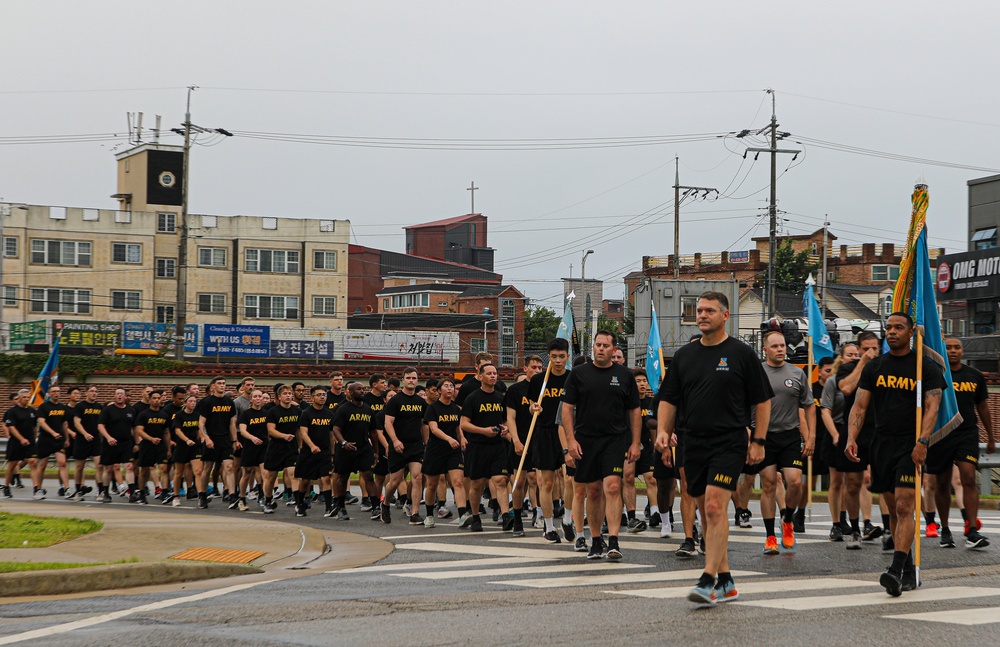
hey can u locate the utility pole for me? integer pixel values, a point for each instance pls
(826, 224)
(772, 208)
(473, 188)
(688, 190)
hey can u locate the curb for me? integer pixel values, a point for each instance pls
(114, 576)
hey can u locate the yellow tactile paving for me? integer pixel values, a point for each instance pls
(222, 555)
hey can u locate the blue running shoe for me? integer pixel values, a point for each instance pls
(703, 594)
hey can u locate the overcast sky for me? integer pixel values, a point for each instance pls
(906, 78)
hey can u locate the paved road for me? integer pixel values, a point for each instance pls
(447, 586)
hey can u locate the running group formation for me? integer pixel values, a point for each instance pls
(566, 444)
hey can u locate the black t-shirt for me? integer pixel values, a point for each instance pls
(139, 407)
(256, 422)
(470, 385)
(648, 405)
(187, 423)
(447, 419)
(23, 419)
(170, 410)
(118, 421)
(603, 398)
(154, 423)
(554, 390)
(355, 422)
(484, 410)
(892, 382)
(318, 424)
(817, 390)
(333, 401)
(89, 414)
(408, 414)
(970, 390)
(714, 387)
(376, 402)
(868, 428)
(217, 412)
(54, 415)
(285, 421)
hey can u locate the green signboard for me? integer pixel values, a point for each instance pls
(28, 332)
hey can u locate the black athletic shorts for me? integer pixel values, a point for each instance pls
(184, 453)
(960, 446)
(647, 457)
(486, 460)
(84, 449)
(892, 464)
(346, 462)
(253, 454)
(440, 459)
(714, 460)
(545, 451)
(313, 467)
(18, 452)
(661, 471)
(825, 448)
(149, 454)
(844, 464)
(413, 452)
(603, 456)
(116, 454)
(782, 449)
(47, 445)
(280, 455)
(221, 451)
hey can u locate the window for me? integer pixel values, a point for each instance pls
(324, 260)
(60, 252)
(279, 261)
(212, 256)
(126, 300)
(385, 304)
(10, 295)
(166, 268)
(56, 300)
(126, 253)
(477, 345)
(9, 247)
(421, 300)
(324, 306)
(164, 314)
(985, 238)
(886, 305)
(689, 310)
(212, 303)
(885, 272)
(166, 223)
(266, 307)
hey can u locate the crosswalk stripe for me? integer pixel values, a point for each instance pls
(873, 599)
(978, 616)
(456, 563)
(491, 550)
(770, 586)
(611, 579)
(524, 570)
(436, 535)
(665, 545)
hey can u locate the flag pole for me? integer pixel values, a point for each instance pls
(531, 428)
(809, 459)
(917, 506)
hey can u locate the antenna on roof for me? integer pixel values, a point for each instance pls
(156, 131)
(138, 129)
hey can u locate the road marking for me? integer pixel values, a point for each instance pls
(980, 616)
(457, 563)
(667, 546)
(605, 580)
(770, 586)
(116, 615)
(873, 599)
(492, 550)
(524, 570)
(444, 534)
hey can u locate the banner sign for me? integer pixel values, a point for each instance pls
(226, 340)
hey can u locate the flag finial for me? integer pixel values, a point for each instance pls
(810, 280)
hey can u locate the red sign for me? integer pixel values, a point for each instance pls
(943, 277)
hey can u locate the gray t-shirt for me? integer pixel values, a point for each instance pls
(241, 403)
(833, 400)
(791, 392)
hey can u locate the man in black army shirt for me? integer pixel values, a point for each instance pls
(404, 416)
(353, 430)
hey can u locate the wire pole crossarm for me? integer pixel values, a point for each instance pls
(688, 190)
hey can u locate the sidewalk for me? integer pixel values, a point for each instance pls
(153, 536)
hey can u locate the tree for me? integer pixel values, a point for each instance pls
(791, 268)
(540, 325)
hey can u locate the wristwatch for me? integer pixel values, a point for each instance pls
(565, 451)
(758, 441)
(343, 443)
(923, 441)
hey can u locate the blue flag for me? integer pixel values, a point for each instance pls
(566, 326)
(654, 354)
(49, 375)
(822, 346)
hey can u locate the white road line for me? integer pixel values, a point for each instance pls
(116, 615)
(523, 570)
(492, 550)
(665, 546)
(979, 616)
(873, 599)
(770, 586)
(605, 580)
(457, 563)
(442, 534)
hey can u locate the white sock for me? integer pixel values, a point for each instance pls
(550, 524)
(653, 509)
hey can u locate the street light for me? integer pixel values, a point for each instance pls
(583, 286)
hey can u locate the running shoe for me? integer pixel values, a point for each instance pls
(569, 531)
(666, 530)
(892, 583)
(787, 535)
(580, 545)
(596, 549)
(836, 534)
(407, 509)
(655, 520)
(870, 532)
(465, 520)
(241, 504)
(415, 520)
(635, 525)
(39, 494)
(771, 546)
(176, 503)
(342, 514)
(443, 513)
(551, 537)
(235, 504)
(910, 582)
(726, 591)
(476, 525)
(975, 540)
(558, 510)
(203, 502)
(429, 521)
(946, 539)
(104, 497)
(386, 515)
(376, 513)
(351, 499)
(745, 517)
(518, 529)
(931, 530)
(888, 545)
(538, 521)
(703, 594)
(269, 507)
(331, 510)
(687, 548)
(604, 527)
(6, 492)
(508, 521)
(68, 493)
(366, 505)
(300, 510)
(854, 541)
(80, 494)
(613, 552)
(142, 498)
(799, 521)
